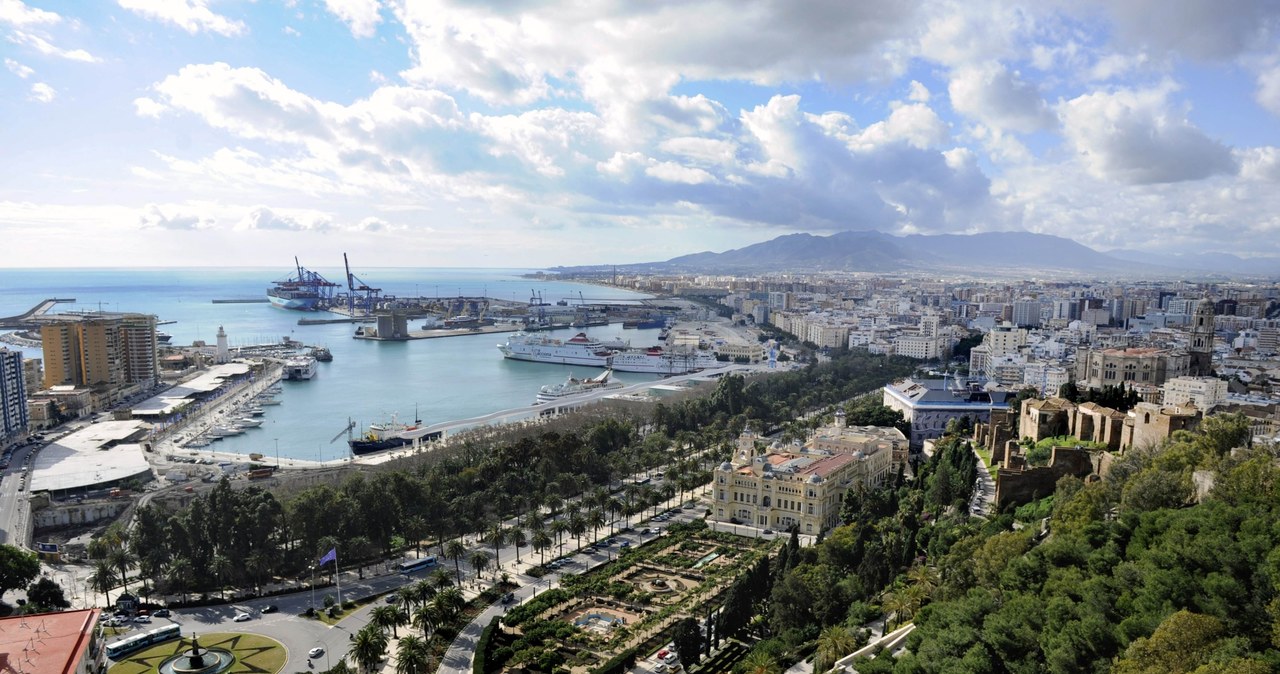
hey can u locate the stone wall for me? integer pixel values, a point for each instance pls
(1016, 486)
(62, 515)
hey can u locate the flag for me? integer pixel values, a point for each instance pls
(330, 556)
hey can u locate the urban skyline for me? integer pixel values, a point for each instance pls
(454, 134)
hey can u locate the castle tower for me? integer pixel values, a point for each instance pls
(1201, 350)
(224, 353)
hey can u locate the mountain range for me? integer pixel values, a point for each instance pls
(987, 253)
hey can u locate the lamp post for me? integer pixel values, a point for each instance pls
(277, 441)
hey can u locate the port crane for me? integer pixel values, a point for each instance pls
(350, 425)
(355, 286)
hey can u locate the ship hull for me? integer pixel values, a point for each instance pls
(559, 359)
(371, 446)
(294, 304)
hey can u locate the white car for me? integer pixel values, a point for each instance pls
(241, 617)
(315, 652)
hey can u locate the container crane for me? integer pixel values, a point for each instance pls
(354, 286)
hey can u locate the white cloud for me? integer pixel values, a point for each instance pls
(918, 93)
(916, 125)
(675, 173)
(17, 13)
(42, 92)
(713, 151)
(361, 16)
(18, 69)
(262, 217)
(154, 217)
(146, 107)
(998, 98)
(48, 49)
(193, 16)
(1137, 137)
(1268, 95)
(1260, 164)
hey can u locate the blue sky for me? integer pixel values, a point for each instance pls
(533, 133)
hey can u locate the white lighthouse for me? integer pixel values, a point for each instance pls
(224, 353)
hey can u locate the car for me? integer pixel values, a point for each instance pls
(241, 617)
(142, 619)
(645, 531)
(768, 532)
(663, 653)
(391, 598)
(508, 598)
(660, 668)
(161, 613)
(315, 652)
(625, 544)
(671, 658)
(270, 608)
(734, 520)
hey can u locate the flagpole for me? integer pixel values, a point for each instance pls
(337, 579)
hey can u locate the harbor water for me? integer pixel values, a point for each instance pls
(368, 381)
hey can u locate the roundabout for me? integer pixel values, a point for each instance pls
(217, 653)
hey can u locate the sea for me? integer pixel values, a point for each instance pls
(439, 380)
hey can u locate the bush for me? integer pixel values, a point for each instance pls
(618, 663)
(479, 664)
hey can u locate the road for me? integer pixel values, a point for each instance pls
(14, 511)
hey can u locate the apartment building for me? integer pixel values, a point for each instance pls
(13, 398)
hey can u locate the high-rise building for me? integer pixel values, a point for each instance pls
(1026, 313)
(101, 351)
(13, 398)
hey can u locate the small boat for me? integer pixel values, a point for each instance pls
(267, 401)
(248, 422)
(322, 354)
(225, 431)
(255, 411)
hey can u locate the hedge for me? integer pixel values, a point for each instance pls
(483, 645)
(618, 664)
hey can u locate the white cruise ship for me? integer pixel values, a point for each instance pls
(299, 368)
(655, 360)
(574, 386)
(578, 350)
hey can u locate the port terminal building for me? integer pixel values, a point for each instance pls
(101, 456)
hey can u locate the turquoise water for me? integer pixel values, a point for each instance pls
(446, 379)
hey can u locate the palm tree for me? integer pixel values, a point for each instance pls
(221, 567)
(104, 578)
(178, 576)
(426, 618)
(516, 537)
(440, 578)
(409, 593)
(897, 605)
(577, 527)
(497, 536)
(596, 519)
(479, 561)
(834, 643)
(413, 656)
(760, 662)
(541, 541)
(455, 550)
(367, 648)
(386, 617)
(559, 527)
(450, 603)
(121, 559)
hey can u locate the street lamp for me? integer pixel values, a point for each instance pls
(277, 440)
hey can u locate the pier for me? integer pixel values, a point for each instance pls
(250, 300)
(28, 318)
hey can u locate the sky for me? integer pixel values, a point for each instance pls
(525, 133)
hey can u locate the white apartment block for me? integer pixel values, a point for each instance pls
(912, 346)
(1203, 392)
(1045, 377)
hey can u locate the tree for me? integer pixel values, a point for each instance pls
(834, 643)
(427, 618)
(541, 541)
(367, 648)
(387, 617)
(17, 568)
(479, 561)
(455, 550)
(687, 641)
(45, 595)
(221, 567)
(759, 661)
(413, 656)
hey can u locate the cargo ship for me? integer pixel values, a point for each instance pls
(303, 291)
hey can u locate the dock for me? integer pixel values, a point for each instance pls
(249, 300)
(27, 318)
(328, 321)
(436, 334)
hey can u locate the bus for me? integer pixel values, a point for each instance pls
(418, 564)
(139, 641)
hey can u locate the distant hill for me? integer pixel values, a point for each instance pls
(990, 253)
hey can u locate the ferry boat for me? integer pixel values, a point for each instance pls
(655, 360)
(299, 368)
(574, 386)
(578, 350)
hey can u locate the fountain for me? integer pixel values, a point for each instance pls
(198, 660)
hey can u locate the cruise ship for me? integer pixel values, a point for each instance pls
(299, 368)
(574, 386)
(578, 350)
(655, 360)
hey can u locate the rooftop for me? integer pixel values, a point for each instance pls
(95, 455)
(168, 401)
(48, 643)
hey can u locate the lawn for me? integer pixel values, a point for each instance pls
(254, 653)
